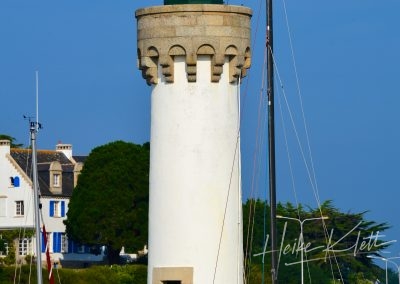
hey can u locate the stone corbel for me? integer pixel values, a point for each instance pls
(234, 64)
(148, 65)
(247, 62)
(191, 62)
(167, 68)
(217, 64)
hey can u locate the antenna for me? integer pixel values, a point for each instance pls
(35, 125)
(37, 101)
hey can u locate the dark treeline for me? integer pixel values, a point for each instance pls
(336, 248)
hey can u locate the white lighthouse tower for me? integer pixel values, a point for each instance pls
(194, 56)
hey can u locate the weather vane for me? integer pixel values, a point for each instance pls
(35, 125)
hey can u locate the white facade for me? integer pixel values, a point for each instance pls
(16, 201)
(15, 188)
(195, 189)
(54, 212)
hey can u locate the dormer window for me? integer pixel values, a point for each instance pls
(56, 180)
(55, 173)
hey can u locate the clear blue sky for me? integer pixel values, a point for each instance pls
(91, 92)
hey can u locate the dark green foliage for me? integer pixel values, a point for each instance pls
(109, 206)
(335, 251)
(136, 274)
(22, 274)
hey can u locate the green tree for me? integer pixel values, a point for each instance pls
(12, 141)
(109, 205)
(343, 232)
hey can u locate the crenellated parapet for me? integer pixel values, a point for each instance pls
(219, 31)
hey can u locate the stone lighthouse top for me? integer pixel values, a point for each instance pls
(191, 30)
(174, 2)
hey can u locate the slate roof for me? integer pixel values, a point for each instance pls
(23, 157)
(79, 159)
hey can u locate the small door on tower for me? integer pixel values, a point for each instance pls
(173, 275)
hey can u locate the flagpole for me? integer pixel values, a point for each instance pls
(271, 144)
(34, 126)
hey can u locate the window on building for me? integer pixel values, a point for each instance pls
(3, 247)
(19, 208)
(56, 180)
(172, 282)
(25, 246)
(55, 176)
(64, 243)
(57, 208)
(57, 212)
(14, 181)
(60, 242)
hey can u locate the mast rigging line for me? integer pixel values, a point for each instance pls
(235, 160)
(257, 160)
(22, 228)
(316, 190)
(300, 98)
(299, 93)
(243, 109)
(309, 166)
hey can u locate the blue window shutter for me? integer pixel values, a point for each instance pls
(62, 208)
(51, 208)
(56, 242)
(16, 182)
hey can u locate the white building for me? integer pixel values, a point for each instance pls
(16, 200)
(58, 171)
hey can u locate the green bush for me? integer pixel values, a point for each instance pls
(132, 274)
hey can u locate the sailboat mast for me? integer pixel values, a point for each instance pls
(271, 143)
(33, 129)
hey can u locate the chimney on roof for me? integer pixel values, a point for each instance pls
(66, 149)
(4, 147)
